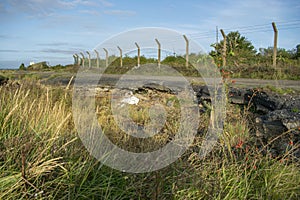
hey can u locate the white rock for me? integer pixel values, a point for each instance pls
(132, 100)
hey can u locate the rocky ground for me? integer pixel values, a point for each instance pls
(276, 118)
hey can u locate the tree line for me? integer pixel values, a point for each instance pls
(243, 60)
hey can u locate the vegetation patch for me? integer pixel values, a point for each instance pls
(41, 155)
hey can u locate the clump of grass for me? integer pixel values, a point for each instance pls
(30, 128)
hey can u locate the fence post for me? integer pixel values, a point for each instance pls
(121, 56)
(82, 55)
(77, 59)
(275, 44)
(186, 51)
(89, 58)
(106, 57)
(75, 56)
(158, 53)
(224, 48)
(97, 60)
(74, 59)
(139, 54)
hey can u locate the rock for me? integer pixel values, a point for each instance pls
(157, 87)
(289, 119)
(132, 100)
(236, 96)
(259, 99)
(284, 109)
(291, 102)
(277, 119)
(202, 93)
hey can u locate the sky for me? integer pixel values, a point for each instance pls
(54, 30)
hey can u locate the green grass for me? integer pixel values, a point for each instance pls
(266, 72)
(280, 90)
(41, 155)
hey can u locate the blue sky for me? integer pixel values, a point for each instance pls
(53, 30)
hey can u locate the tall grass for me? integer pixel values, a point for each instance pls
(41, 157)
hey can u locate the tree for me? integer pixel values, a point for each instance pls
(298, 51)
(22, 67)
(239, 51)
(284, 56)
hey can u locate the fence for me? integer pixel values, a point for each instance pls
(82, 60)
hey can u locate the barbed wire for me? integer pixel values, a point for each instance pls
(244, 30)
